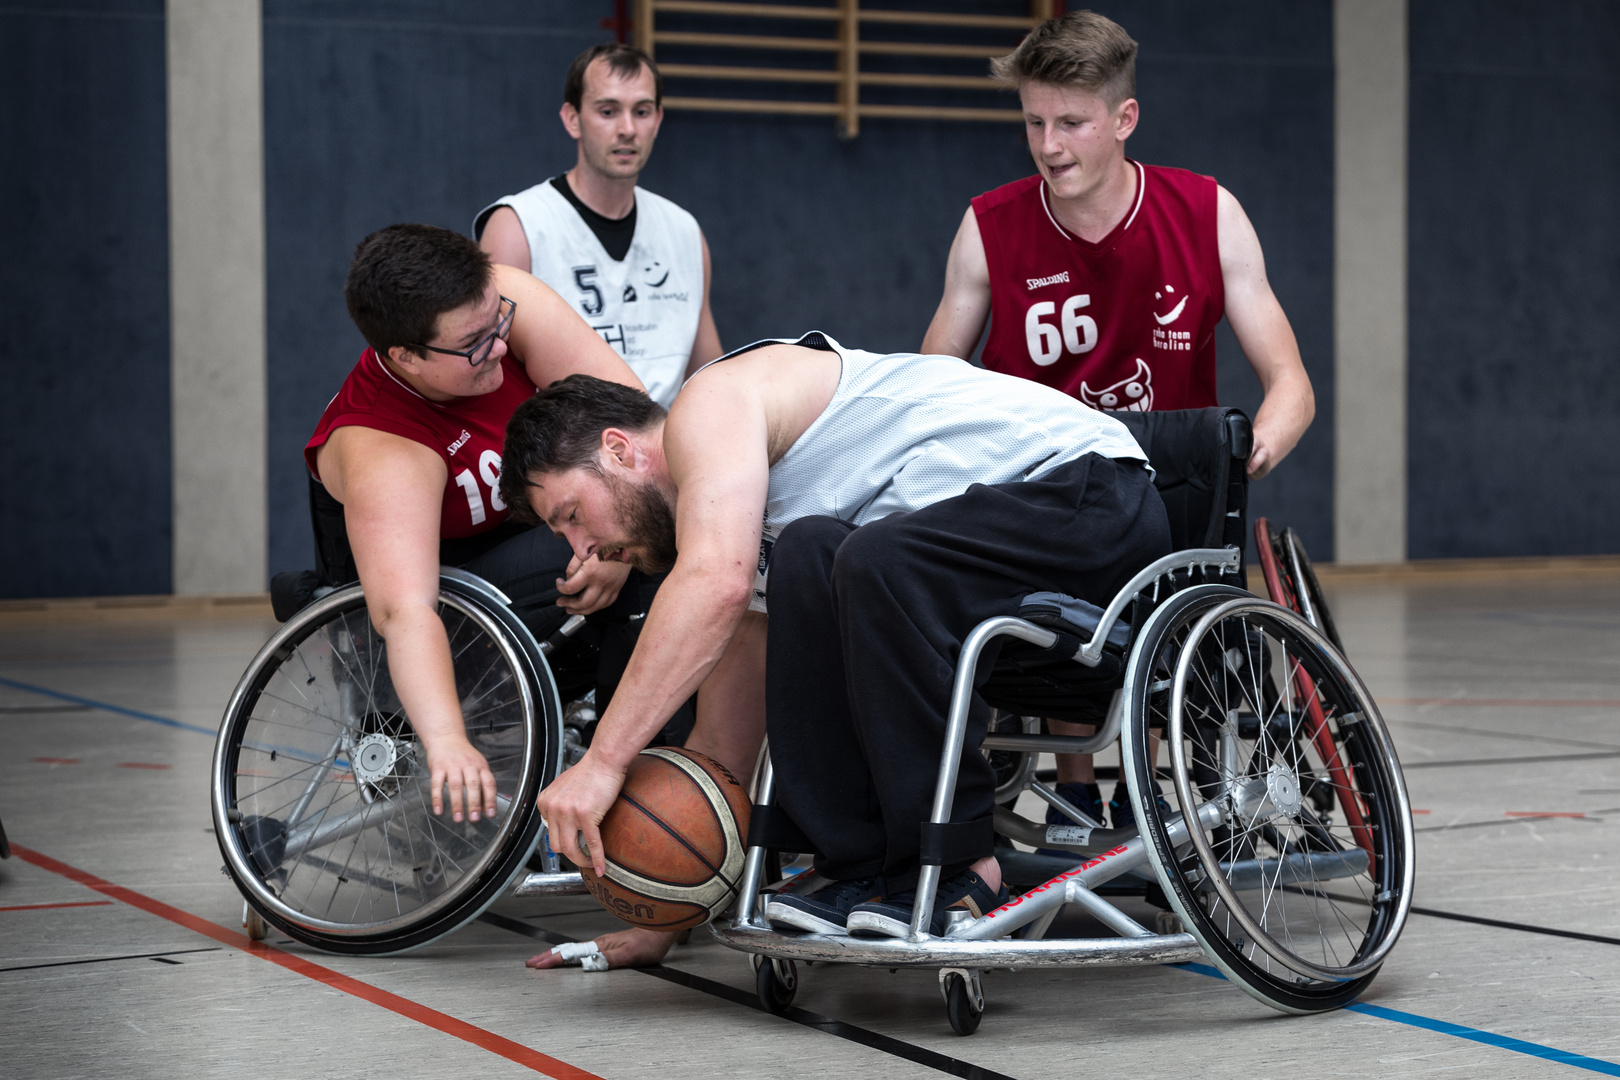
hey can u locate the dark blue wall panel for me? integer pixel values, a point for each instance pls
(379, 112)
(1515, 270)
(84, 300)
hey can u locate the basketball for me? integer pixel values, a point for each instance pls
(674, 841)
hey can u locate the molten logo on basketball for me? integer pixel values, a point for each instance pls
(674, 841)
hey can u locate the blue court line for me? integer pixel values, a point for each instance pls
(1445, 1027)
(91, 703)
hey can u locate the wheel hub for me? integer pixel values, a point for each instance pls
(374, 759)
(1283, 788)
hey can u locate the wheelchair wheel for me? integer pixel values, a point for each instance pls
(320, 785)
(1291, 580)
(1294, 905)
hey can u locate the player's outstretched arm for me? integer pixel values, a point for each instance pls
(965, 307)
(550, 340)
(706, 346)
(392, 490)
(1266, 338)
(716, 446)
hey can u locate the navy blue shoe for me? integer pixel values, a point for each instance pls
(1123, 815)
(1086, 798)
(822, 910)
(892, 917)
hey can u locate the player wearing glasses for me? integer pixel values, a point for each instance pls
(406, 465)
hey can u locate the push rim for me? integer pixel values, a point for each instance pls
(316, 745)
(1249, 792)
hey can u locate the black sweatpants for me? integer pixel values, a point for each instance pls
(866, 625)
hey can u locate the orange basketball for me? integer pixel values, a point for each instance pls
(674, 841)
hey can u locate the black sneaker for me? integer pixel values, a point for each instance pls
(1086, 798)
(823, 910)
(892, 917)
(1123, 815)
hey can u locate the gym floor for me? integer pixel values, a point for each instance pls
(1501, 686)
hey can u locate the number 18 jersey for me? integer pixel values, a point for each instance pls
(1127, 323)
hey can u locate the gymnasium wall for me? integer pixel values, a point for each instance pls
(84, 300)
(1514, 254)
(377, 111)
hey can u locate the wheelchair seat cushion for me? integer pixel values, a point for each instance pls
(1071, 614)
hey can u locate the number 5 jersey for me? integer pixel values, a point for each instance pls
(1127, 323)
(645, 301)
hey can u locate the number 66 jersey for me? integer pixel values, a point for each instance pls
(1127, 323)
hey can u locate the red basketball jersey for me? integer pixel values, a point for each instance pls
(1127, 323)
(467, 433)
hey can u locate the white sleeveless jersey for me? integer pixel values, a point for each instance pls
(646, 306)
(905, 431)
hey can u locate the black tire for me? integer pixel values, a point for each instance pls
(1296, 567)
(959, 1007)
(1297, 909)
(320, 791)
(775, 995)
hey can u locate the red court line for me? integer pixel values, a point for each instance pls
(42, 907)
(1526, 703)
(1541, 813)
(142, 765)
(54, 760)
(411, 1010)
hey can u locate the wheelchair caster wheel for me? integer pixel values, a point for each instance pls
(253, 923)
(776, 981)
(964, 999)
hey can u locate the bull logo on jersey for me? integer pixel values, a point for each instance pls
(1133, 394)
(655, 274)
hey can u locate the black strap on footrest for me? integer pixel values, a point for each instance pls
(957, 841)
(770, 827)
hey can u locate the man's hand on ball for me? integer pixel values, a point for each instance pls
(574, 806)
(591, 585)
(455, 763)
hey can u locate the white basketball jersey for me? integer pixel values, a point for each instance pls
(905, 431)
(647, 305)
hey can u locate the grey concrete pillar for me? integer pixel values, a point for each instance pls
(1370, 121)
(216, 287)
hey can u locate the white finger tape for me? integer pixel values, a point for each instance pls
(584, 953)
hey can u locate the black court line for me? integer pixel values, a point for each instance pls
(1480, 920)
(804, 1017)
(158, 956)
(1515, 736)
(28, 710)
(1409, 766)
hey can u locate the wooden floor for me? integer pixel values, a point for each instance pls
(121, 952)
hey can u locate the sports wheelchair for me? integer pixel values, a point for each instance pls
(1282, 848)
(1295, 882)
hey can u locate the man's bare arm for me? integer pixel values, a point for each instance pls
(503, 238)
(965, 306)
(716, 443)
(706, 345)
(392, 489)
(549, 338)
(1266, 338)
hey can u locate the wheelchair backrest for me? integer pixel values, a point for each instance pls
(1198, 457)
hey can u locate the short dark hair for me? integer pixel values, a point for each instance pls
(625, 61)
(560, 428)
(404, 277)
(1083, 49)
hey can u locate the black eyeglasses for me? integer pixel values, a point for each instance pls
(480, 352)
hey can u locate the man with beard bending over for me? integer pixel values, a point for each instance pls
(881, 506)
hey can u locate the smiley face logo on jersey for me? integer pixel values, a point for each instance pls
(1175, 312)
(654, 274)
(1132, 394)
